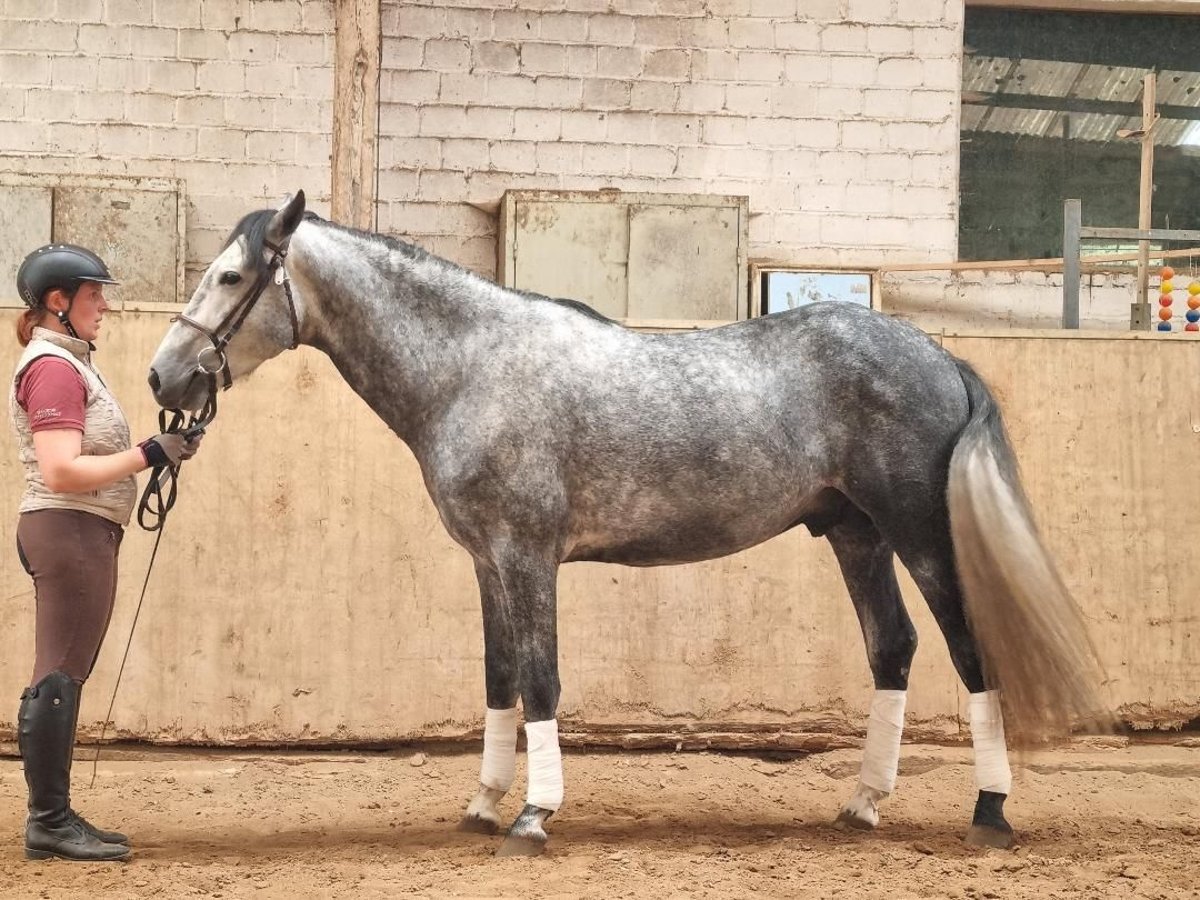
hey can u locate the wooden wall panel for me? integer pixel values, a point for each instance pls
(305, 590)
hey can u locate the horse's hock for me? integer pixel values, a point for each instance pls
(348, 616)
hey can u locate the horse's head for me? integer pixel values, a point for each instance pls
(241, 314)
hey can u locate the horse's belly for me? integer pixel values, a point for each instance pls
(672, 542)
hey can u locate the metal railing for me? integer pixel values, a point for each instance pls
(1073, 236)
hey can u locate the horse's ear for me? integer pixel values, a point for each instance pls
(286, 220)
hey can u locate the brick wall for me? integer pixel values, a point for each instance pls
(971, 300)
(838, 118)
(234, 96)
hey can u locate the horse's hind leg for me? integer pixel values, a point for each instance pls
(500, 723)
(931, 564)
(866, 562)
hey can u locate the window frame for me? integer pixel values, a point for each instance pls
(761, 268)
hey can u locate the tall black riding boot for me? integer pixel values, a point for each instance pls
(46, 736)
(108, 837)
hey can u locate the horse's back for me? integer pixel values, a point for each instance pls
(822, 369)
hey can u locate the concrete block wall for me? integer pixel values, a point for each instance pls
(234, 96)
(838, 118)
(970, 300)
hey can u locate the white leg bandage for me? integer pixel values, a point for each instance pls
(499, 749)
(545, 765)
(987, 734)
(881, 751)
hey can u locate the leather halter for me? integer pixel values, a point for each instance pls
(212, 360)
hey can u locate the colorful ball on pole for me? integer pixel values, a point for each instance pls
(1166, 288)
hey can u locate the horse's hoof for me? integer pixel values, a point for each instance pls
(853, 818)
(987, 836)
(522, 845)
(478, 824)
(483, 815)
(989, 828)
(861, 811)
(527, 836)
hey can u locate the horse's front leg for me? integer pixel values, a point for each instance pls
(529, 585)
(500, 720)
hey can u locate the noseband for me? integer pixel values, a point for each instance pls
(212, 360)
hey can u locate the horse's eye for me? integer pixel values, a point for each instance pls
(230, 278)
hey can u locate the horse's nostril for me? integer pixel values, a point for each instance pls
(154, 382)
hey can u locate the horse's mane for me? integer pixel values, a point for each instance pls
(253, 227)
(577, 305)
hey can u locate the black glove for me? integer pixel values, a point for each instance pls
(192, 444)
(168, 449)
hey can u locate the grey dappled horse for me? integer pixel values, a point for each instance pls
(547, 433)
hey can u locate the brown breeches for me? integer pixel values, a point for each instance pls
(72, 556)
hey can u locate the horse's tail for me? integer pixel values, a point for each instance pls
(1033, 643)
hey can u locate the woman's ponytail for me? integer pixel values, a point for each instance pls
(26, 322)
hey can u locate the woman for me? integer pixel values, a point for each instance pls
(74, 445)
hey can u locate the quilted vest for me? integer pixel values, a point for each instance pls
(105, 431)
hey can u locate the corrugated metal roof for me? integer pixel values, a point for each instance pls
(1009, 96)
(1047, 73)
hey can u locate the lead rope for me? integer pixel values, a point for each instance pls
(152, 516)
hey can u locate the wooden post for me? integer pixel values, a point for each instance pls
(357, 52)
(1139, 314)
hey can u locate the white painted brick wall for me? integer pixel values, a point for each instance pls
(232, 97)
(972, 300)
(837, 117)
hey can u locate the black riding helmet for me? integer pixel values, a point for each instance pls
(62, 266)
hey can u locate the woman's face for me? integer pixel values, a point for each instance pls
(87, 309)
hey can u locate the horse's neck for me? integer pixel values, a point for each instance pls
(398, 329)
